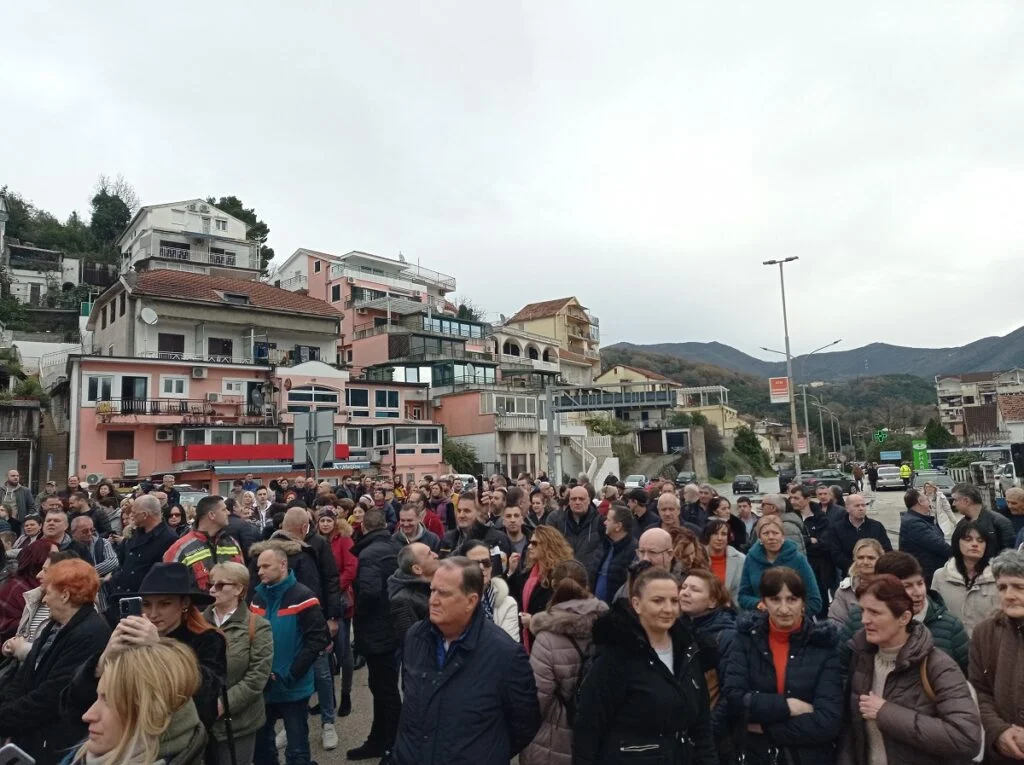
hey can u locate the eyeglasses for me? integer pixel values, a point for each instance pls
(220, 585)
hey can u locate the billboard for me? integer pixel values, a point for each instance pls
(778, 389)
(801, 444)
(922, 459)
(893, 455)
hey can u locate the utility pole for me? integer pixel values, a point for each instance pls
(807, 428)
(794, 433)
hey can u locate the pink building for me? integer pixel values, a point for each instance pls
(202, 376)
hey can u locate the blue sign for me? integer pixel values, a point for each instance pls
(897, 455)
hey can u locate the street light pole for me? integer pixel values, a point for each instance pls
(794, 434)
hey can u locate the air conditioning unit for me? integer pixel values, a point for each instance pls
(130, 469)
(165, 435)
(94, 478)
(204, 208)
(436, 402)
(192, 207)
(361, 311)
(213, 398)
(351, 280)
(199, 373)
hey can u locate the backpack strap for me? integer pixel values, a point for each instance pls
(929, 691)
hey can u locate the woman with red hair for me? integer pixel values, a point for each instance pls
(12, 592)
(30, 709)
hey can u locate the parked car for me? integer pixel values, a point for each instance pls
(191, 496)
(942, 481)
(889, 477)
(745, 484)
(637, 481)
(786, 477)
(684, 477)
(1006, 478)
(827, 477)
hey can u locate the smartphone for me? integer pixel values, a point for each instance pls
(12, 755)
(129, 607)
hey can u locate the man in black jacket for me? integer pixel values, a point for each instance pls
(921, 536)
(469, 692)
(619, 551)
(138, 553)
(854, 526)
(468, 525)
(375, 632)
(409, 587)
(816, 522)
(644, 515)
(247, 534)
(997, 528)
(581, 526)
(80, 504)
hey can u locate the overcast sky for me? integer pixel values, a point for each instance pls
(646, 157)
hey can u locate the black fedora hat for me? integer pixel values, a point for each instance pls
(172, 579)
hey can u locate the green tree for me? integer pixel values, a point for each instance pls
(461, 457)
(259, 231)
(938, 437)
(714, 449)
(110, 217)
(680, 420)
(747, 446)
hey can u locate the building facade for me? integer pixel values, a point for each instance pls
(957, 395)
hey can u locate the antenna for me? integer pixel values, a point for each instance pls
(148, 316)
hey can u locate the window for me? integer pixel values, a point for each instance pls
(103, 316)
(349, 356)
(99, 388)
(429, 435)
(236, 298)
(120, 444)
(267, 436)
(386, 399)
(335, 293)
(222, 225)
(382, 437)
(357, 397)
(233, 388)
(174, 386)
(120, 304)
(170, 346)
(220, 347)
(312, 398)
(317, 265)
(306, 353)
(405, 436)
(416, 413)
(222, 437)
(518, 464)
(515, 405)
(193, 437)
(245, 437)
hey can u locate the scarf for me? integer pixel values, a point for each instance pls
(532, 581)
(489, 602)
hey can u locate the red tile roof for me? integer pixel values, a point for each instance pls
(540, 310)
(203, 288)
(647, 373)
(1011, 406)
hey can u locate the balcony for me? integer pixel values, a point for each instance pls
(233, 259)
(525, 423)
(204, 358)
(519, 363)
(293, 283)
(184, 411)
(35, 263)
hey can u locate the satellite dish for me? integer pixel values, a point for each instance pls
(148, 316)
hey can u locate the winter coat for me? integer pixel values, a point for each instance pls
(843, 601)
(734, 561)
(210, 649)
(312, 560)
(33, 599)
(948, 633)
(649, 520)
(247, 534)
(201, 552)
(329, 592)
(454, 539)
(250, 655)
(843, 535)
(378, 560)
(300, 634)
(474, 705)
(997, 674)
(348, 564)
(629, 697)
(970, 606)
(506, 609)
(921, 537)
(556, 664)
(715, 631)
(138, 554)
(622, 554)
(585, 536)
(694, 514)
(794, 530)
(915, 729)
(21, 499)
(12, 603)
(812, 675)
(998, 531)
(30, 710)
(409, 600)
(427, 537)
(757, 563)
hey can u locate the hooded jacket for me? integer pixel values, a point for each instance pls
(915, 729)
(997, 674)
(843, 602)
(378, 560)
(506, 610)
(970, 605)
(314, 565)
(812, 675)
(629, 698)
(734, 561)
(757, 563)
(585, 536)
(948, 633)
(556, 666)
(921, 537)
(409, 600)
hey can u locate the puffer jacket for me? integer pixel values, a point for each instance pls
(506, 610)
(970, 606)
(715, 631)
(997, 674)
(757, 563)
(249, 664)
(921, 537)
(629, 699)
(947, 631)
(812, 675)
(843, 601)
(915, 729)
(556, 665)
(409, 601)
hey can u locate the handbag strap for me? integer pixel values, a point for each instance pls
(929, 691)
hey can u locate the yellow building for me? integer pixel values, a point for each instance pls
(640, 378)
(576, 331)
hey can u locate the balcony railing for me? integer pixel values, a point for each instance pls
(23, 263)
(233, 259)
(516, 422)
(191, 410)
(292, 283)
(209, 358)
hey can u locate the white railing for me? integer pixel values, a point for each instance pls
(598, 443)
(233, 259)
(297, 282)
(340, 272)
(210, 358)
(434, 277)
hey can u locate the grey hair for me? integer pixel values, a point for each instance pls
(775, 500)
(472, 576)
(78, 520)
(148, 504)
(1008, 563)
(406, 559)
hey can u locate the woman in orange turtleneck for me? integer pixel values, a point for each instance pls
(782, 677)
(726, 560)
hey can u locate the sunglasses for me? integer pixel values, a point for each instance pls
(219, 585)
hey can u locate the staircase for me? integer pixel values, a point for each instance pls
(594, 452)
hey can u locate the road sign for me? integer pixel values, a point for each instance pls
(778, 389)
(881, 435)
(893, 455)
(801, 444)
(922, 459)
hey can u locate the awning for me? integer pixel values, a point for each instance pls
(278, 467)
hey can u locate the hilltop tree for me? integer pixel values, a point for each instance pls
(938, 437)
(259, 231)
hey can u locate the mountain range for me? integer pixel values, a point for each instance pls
(987, 354)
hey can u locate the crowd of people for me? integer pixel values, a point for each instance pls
(563, 623)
